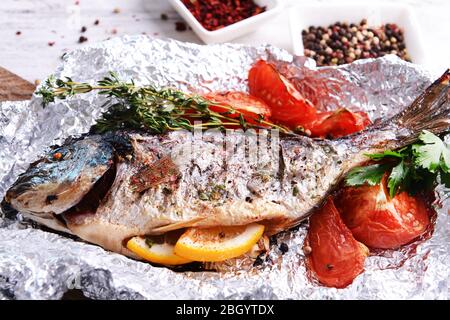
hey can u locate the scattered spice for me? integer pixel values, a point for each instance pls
(114, 31)
(82, 39)
(283, 248)
(216, 192)
(149, 242)
(341, 43)
(215, 15)
(258, 261)
(166, 190)
(307, 250)
(18, 33)
(164, 16)
(116, 10)
(96, 22)
(273, 241)
(83, 29)
(77, 3)
(180, 26)
(51, 43)
(203, 196)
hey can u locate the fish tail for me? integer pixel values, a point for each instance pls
(429, 111)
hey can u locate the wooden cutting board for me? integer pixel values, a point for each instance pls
(13, 87)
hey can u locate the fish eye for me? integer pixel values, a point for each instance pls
(59, 155)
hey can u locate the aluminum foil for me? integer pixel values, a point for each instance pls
(41, 264)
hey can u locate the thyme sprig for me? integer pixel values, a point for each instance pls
(149, 108)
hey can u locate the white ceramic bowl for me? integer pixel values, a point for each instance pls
(234, 30)
(303, 16)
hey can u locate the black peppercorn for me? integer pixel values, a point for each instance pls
(180, 26)
(284, 248)
(82, 39)
(258, 262)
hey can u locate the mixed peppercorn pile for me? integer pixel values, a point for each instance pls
(342, 43)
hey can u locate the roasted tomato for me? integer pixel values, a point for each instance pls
(287, 104)
(336, 258)
(339, 123)
(251, 108)
(381, 222)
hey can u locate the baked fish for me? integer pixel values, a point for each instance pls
(108, 188)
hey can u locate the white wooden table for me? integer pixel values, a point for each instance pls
(60, 21)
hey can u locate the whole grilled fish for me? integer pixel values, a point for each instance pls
(108, 188)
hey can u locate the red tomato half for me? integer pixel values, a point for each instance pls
(250, 107)
(336, 257)
(287, 104)
(381, 222)
(340, 123)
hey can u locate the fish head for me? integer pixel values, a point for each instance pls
(61, 178)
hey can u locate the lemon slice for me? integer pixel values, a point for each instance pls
(161, 253)
(217, 243)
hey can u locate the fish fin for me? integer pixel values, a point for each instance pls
(176, 225)
(429, 111)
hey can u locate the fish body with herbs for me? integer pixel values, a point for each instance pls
(107, 188)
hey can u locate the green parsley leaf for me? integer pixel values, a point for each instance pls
(370, 175)
(433, 154)
(414, 167)
(398, 174)
(295, 191)
(387, 153)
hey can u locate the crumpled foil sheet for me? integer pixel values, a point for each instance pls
(41, 264)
